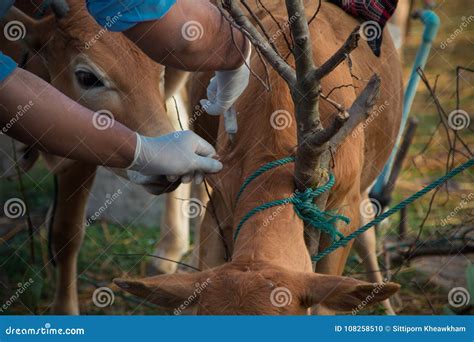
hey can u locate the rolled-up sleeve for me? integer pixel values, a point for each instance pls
(5, 6)
(119, 16)
(7, 65)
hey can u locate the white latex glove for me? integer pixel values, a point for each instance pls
(176, 154)
(223, 91)
(155, 185)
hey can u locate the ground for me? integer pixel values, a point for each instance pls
(98, 263)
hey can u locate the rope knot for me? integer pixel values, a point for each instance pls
(309, 212)
(303, 203)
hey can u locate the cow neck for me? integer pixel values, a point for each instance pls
(274, 235)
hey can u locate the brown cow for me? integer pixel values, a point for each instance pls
(102, 71)
(270, 257)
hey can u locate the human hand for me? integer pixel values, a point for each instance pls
(181, 153)
(223, 91)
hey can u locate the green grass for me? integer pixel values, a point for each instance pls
(97, 266)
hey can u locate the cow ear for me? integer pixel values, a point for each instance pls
(33, 33)
(170, 290)
(344, 293)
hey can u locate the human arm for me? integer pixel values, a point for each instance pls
(186, 34)
(192, 35)
(58, 125)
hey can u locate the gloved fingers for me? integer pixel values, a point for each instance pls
(137, 177)
(212, 90)
(187, 178)
(207, 165)
(172, 178)
(230, 120)
(203, 148)
(141, 179)
(198, 178)
(213, 108)
(160, 186)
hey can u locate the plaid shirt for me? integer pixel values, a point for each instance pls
(372, 12)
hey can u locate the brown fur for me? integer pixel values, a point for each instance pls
(272, 252)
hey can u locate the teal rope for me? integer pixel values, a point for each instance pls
(262, 170)
(344, 241)
(303, 203)
(306, 209)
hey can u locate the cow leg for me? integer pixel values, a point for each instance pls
(211, 247)
(366, 247)
(67, 233)
(335, 262)
(174, 231)
(401, 19)
(200, 194)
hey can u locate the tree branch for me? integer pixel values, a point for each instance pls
(349, 45)
(240, 21)
(303, 50)
(359, 110)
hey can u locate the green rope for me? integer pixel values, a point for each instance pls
(303, 203)
(262, 170)
(305, 208)
(344, 241)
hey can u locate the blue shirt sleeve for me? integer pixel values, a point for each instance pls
(119, 16)
(7, 65)
(5, 6)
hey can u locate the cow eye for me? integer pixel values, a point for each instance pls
(88, 80)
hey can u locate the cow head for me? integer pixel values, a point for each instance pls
(259, 290)
(100, 69)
